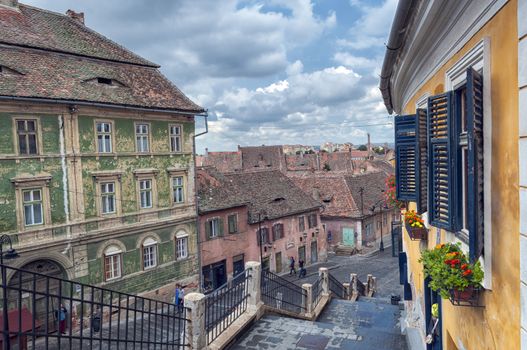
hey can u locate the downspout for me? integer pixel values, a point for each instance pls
(64, 175)
(395, 42)
(196, 200)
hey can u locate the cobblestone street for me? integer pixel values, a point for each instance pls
(368, 324)
(379, 264)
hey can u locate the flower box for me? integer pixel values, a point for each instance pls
(467, 297)
(417, 233)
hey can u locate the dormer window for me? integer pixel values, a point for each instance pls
(104, 81)
(7, 70)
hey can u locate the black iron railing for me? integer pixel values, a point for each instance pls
(46, 312)
(337, 288)
(226, 304)
(361, 289)
(316, 292)
(279, 293)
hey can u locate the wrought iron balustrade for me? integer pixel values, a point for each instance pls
(316, 292)
(279, 293)
(47, 312)
(225, 305)
(337, 288)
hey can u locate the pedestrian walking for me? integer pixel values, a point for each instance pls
(179, 296)
(302, 272)
(292, 266)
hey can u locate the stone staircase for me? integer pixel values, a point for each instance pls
(345, 250)
(367, 324)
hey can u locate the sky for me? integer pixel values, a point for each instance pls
(268, 71)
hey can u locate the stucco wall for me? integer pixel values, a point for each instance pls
(496, 325)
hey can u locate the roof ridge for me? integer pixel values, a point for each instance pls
(83, 27)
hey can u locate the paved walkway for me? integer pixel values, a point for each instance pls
(368, 324)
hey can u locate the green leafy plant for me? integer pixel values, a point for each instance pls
(449, 269)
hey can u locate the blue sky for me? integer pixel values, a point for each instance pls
(268, 71)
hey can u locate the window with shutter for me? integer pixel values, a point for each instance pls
(422, 163)
(405, 157)
(474, 110)
(441, 207)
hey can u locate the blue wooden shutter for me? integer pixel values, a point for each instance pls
(405, 157)
(402, 267)
(421, 139)
(475, 162)
(441, 206)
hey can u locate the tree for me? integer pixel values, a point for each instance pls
(362, 148)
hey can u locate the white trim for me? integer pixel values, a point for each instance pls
(422, 102)
(181, 234)
(112, 250)
(479, 58)
(454, 23)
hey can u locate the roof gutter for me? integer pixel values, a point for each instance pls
(201, 112)
(395, 42)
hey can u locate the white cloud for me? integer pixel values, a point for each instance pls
(355, 62)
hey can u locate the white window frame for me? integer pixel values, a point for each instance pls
(173, 137)
(214, 227)
(114, 256)
(149, 253)
(106, 195)
(479, 59)
(180, 187)
(142, 137)
(182, 246)
(146, 192)
(32, 203)
(105, 135)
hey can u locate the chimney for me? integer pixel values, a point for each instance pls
(206, 152)
(369, 146)
(9, 3)
(74, 15)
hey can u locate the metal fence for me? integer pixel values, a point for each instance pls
(337, 288)
(316, 292)
(225, 305)
(279, 293)
(44, 312)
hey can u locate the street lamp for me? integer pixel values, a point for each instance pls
(381, 207)
(260, 214)
(9, 254)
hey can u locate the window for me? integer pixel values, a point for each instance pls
(141, 138)
(301, 224)
(233, 223)
(27, 136)
(312, 220)
(384, 219)
(278, 231)
(214, 227)
(263, 236)
(149, 253)
(108, 197)
(112, 262)
(181, 247)
(32, 207)
(145, 193)
(178, 189)
(104, 137)
(238, 264)
(175, 138)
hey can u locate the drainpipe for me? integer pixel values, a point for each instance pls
(196, 197)
(405, 8)
(64, 175)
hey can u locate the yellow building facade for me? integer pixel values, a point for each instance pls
(432, 46)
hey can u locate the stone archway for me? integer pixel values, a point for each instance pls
(42, 301)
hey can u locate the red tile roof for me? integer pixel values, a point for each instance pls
(52, 56)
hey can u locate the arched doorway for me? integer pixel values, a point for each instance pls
(42, 301)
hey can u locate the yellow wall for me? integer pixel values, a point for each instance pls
(497, 325)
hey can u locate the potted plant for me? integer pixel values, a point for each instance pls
(415, 225)
(452, 274)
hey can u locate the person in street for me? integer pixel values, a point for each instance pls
(179, 297)
(62, 312)
(302, 270)
(292, 266)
